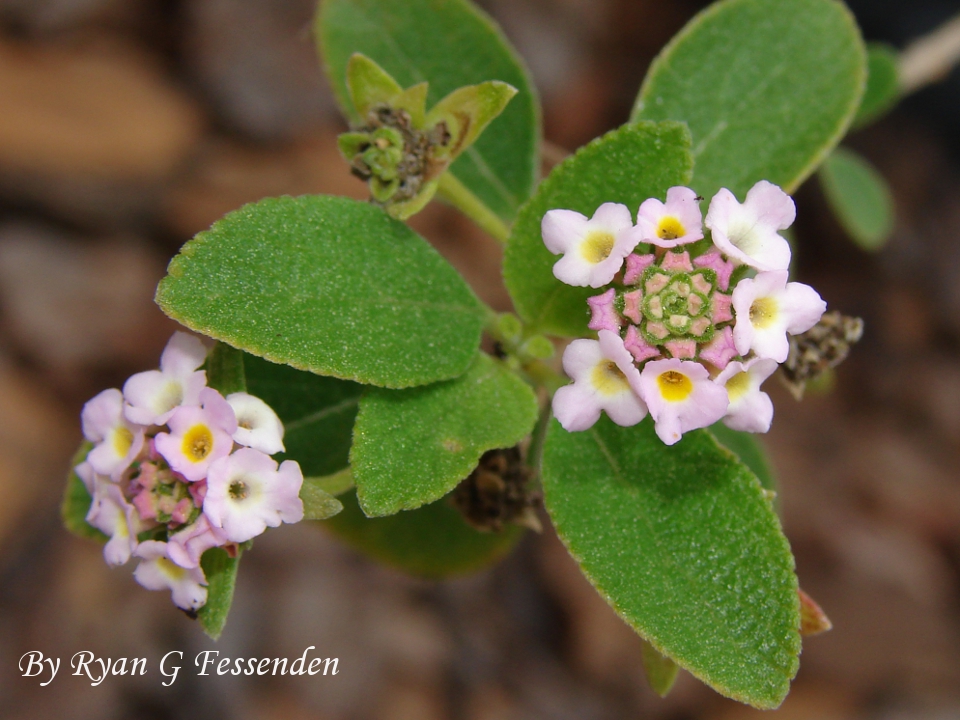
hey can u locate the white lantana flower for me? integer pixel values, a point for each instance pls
(117, 441)
(751, 409)
(257, 424)
(111, 514)
(604, 378)
(157, 571)
(152, 396)
(678, 221)
(198, 435)
(747, 233)
(681, 397)
(768, 307)
(246, 492)
(593, 250)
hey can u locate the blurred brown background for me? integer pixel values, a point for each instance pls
(128, 125)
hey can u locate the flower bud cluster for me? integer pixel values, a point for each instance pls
(177, 469)
(677, 337)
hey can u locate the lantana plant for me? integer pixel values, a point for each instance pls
(344, 378)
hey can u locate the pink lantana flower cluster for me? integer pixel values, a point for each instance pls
(177, 469)
(677, 338)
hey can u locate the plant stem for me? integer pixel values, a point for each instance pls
(457, 194)
(930, 58)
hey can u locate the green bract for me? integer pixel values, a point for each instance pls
(76, 501)
(684, 544)
(330, 285)
(448, 44)
(859, 196)
(627, 165)
(413, 446)
(399, 147)
(432, 541)
(767, 88)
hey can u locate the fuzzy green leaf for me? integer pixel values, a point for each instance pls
(448, 43)
(411, 447)
(317, 413)
(683, 542)
(883, 84)
(627, 165)
(432, 541)
(859, 196)
(330, 285)
(660, 670)
(768, 87)
(76, 501)
(749, 449)
(221, 572)
(318, 504)
(225, 372)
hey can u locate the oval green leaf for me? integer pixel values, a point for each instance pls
(883, 84)
(859, 196)
(768, 87)
(448, 43)
(317, 413)
(330, 285)
(221, 572)
(411, 447)
(749, 449)
(432, 541)
(684, 544)
(627, 165)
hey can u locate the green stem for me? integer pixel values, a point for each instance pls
(457, 194)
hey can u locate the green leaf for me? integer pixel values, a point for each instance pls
(683, 542)
(335, 484)
(859, 196)
(883, 84)
(432, 541)
(225, 371)
(768, 87)
(627, 165)
(411, 447)
(660, 670)
(749, 449)
(330, 285)
(221, 572)
(318, 504)
(317, 413)
(448, 43)
(76, 501)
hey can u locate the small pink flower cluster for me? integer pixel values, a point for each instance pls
(675, 339)
(177, 469)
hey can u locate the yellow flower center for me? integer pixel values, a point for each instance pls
(738, 385)
(122, 440)
(197, 443)
(170, 569)
(763, 312)
(597, 246)
(669, 228)
(674, 386)
(608, 379)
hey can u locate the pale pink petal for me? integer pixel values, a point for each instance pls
(575, 407)
(803, 307)
(676, 261)
(186, 546)
(257, 424)
(562, 230)
(750, 409)
(157, 572)
(183, 354)
(771, 205)
(704, 405)
(748, 233)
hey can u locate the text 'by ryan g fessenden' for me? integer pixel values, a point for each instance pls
(33, 664)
